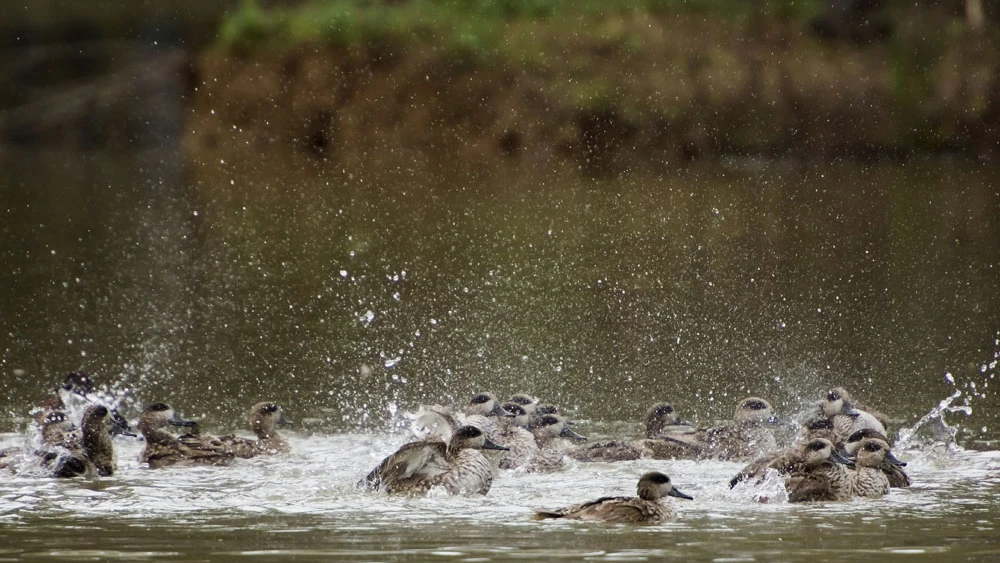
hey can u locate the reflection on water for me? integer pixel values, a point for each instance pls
(305, 505)
(349, 294)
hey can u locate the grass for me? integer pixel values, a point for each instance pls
(462, 26)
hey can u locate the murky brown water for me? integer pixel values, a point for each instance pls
(349, 295)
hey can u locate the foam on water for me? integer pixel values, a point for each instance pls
(313, 489)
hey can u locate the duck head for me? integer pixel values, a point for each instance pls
(875, 452)
(471, 437)
(266, 417)
(161, 415)
(485, 404)
(755, 410)
(551, 426)
(820, 450)
(655, 485)
(660, 416)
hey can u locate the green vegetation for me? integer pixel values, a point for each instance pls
(463, 26)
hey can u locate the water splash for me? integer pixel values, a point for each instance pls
(932, 430)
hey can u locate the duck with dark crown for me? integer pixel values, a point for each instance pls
(748, 436)
(93, 455)
(265, 419)
(164, 449)
(660, 418)
(416, 467)
(651, 506)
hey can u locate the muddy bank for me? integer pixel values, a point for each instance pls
(651, 90)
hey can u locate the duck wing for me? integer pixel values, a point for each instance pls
(423, 460)
(244, 448)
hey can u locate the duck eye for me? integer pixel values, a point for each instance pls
(755, 405)
(873, 447)
(833, 396)
(270, 407)
(480, 399)
(159, 407)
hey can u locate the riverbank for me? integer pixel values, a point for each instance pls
(626, 87)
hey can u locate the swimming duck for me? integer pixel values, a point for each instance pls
(525, 401)
(71, 400)
(265, 418)
(548, 430)
(893, 470)
(650, 507)
(818, 474)
(515, 436)
(874, 459)
(747, 436)
(847, 416)
(95, 454)
(458, 465)
(660, 418)
(164, 449)
(483, 412)
(785, 461)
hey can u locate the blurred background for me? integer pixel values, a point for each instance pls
(353, 206)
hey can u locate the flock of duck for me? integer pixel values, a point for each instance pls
(839, 453)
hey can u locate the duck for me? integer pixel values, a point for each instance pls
(898, 479)
(483, 411)
(869, 477)
(93, 455)
(548, 430)
(515, 436)
(163, 449)
(784, 460)
(819, 473)
(457, 465)
(71, 399)
(265, 418)
(525, 401)
(847, 416)
(660, 418)
(651, 506)
(748, 436)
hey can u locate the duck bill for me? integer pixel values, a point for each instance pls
(676, 493)
(894, 460)
(176, 420)
(498, 410)
(837, 457)
(776, 420)
(119, 426)
(286, 423)
(491, 445)
(568, 432)
(683, 423)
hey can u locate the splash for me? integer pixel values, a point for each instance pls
(932, 430)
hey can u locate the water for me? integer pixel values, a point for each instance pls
(305, 505)
(350, 295)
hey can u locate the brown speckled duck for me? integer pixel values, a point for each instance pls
(818, 473)
(650, 507)
(660, 418)
(265, 418)
(748, 436)
(893, 470)
(458, 465)
(164, 449)
(869, 479)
